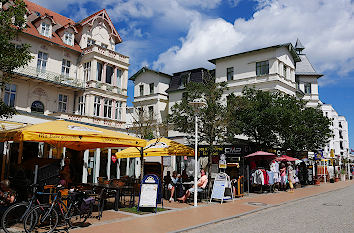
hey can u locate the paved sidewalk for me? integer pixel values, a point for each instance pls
(176, 220)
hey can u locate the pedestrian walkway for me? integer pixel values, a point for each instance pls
(176, 220)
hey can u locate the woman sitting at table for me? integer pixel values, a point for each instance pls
(172, 185)
(201, 184)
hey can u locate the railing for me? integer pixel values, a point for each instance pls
(50, 76)
(106, 52)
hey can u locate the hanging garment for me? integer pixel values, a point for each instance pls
(265, 175)
(258, 177)
(271, 177)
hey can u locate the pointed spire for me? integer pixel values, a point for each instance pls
(298, 46)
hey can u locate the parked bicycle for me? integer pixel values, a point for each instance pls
(12, 219)
(47, 217)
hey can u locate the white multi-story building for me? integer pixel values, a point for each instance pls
(75, 72)
(339, 141)
(150, 95)
(282, 68)
(76, 75)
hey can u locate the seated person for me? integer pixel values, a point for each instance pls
(185, 177)
(167, 178)
(201, 184)
(7, 196)
(172, 185)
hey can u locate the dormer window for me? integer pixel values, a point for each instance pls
(45, 29)
(90, 42)
(104, 45)
(69, 38)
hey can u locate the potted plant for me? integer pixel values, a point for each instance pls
(342, 174)
(336, 177)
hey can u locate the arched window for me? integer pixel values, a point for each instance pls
(37, 106)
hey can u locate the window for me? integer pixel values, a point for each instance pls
(151, 112)
(37, 106)
(109, 74)
(307, 88)
(45, 29)
(262, 68)
(119, 77)
(10, 95)
(230, 73)
(151, 87)
(285, 71)
(104, 45)
(90, 42)
(99, 71)
(341, 145)
(87, 71)
(65, 67)
(62, 103)
(340, 124)
(184, 79)
(340, 134)
(69, 38)
(97, 106)
(42, 61)
(141, 88)
(82, 105)
(118, 112)
(107, 108)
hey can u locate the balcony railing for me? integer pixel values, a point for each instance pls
(44, 75)
(106, 52)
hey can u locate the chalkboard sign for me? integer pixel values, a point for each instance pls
(221, 184)
(149, 190)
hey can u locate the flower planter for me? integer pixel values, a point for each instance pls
(342, 177)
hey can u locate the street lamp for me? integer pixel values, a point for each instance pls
(196, 107)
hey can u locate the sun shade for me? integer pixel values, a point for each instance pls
(71, 135)
(158, 147)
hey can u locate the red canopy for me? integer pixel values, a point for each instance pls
(286, 158)
(259, 153)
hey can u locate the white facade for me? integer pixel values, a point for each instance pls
(150, 95)
(280, 75)
(339, 141)
(69, 77)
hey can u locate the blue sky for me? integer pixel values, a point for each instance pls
(174, 35)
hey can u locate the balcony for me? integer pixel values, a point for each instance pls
(106, 52)
(49, 76)
(106, 87)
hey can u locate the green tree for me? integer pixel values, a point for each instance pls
(254, 115)
(277, 120)
(12, 56)
(211, 120)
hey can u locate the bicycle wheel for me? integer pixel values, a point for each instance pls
(41, 219)
(12, 219)
(78, 216)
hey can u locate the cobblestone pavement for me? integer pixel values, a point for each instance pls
(327, 212)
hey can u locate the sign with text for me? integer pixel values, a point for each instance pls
(149, 191)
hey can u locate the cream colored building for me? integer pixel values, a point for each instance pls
(75, 74)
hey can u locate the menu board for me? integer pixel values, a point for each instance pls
(218, 189)
(148, 195)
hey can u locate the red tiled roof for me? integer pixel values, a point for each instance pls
(59, 19)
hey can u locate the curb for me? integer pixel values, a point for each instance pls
(254, 211)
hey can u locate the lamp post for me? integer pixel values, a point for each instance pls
(196, 106)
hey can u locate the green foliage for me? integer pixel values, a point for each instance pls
(211, 120)
(273, 119)
(12, 56)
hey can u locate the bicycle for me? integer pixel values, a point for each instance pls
(45, 218)
(12, 219)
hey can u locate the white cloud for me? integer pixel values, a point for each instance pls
(323, 26)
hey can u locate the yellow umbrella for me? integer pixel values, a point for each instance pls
(75, 136)
(158, 147)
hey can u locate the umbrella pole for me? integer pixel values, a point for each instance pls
(141, 163)
(20, 152)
